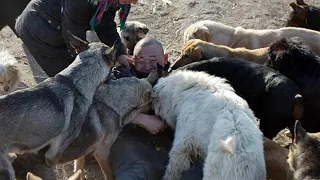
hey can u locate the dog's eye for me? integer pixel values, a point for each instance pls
(127, 38)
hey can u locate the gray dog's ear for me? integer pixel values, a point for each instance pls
(112, 53)
(300, 134)
(153, 77)
(301, 2)
(144, 29)
(77, 43)
(31, 176)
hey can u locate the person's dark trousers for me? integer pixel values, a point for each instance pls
(143, 156)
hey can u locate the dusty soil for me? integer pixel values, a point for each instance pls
(167, 23)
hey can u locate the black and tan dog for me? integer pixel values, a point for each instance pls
(275, 99)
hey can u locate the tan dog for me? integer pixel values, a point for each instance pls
(195, 50)
(9, 73)
(222, 34)
(304, 155)
(276, 161)
(134, 31)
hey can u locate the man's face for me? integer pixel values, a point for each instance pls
(146, 58)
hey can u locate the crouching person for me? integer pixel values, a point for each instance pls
(140, 154)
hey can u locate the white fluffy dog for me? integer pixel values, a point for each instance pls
(210, 121)
(9, 73)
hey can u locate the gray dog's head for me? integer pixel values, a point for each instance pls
(127, 96)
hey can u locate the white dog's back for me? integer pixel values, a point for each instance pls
(214, 122)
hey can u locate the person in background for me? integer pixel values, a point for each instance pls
(44, 24)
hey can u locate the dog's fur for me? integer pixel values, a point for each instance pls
(133, 32)
(304, 154)
(196, 50)
(52, 113)
(221, 34)
(292, 58)
(9, 73)
(212, 121)
(109, 112)
(276, 161)
(75, 176)
(275, 99)
(304, 15)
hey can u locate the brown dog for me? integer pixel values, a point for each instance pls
(195, 50)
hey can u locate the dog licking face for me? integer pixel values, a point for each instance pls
(9, 73)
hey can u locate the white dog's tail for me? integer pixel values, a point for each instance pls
(236, 150)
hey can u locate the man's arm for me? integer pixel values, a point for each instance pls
(151, 123)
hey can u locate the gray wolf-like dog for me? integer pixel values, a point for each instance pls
(210, 121)
(304, 154)
(115, 104)
(52, 113)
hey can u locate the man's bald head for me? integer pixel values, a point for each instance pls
(147, 53)
(147, 41)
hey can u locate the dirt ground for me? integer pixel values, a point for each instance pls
(167, 23)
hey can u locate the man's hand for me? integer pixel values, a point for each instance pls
(124, 59)
(151, 123)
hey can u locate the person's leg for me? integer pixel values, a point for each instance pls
(131, 159)
(142, 156)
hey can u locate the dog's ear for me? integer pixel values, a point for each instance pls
(299, 10)
(144, 29)
(31, 176)
(76, 175)
(153, 77)
(202, 33)
(301, 2)
(112, 53)
(77, 43)
(300, 134)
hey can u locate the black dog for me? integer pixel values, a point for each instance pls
(295, 60)
(274, 98)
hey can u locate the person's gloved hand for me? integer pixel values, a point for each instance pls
(151, 123)
(124, 59)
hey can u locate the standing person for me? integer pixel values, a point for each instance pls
(44, 24)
